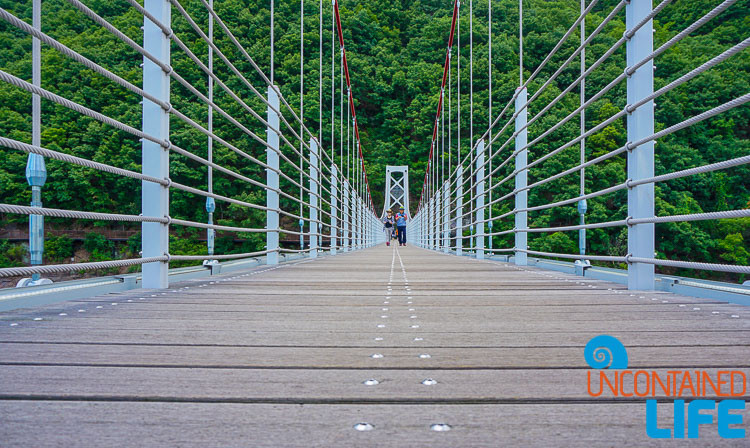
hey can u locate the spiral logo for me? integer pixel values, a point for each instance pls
(606, 352)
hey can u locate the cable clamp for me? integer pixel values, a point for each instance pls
(627, 34)
(627, 73)
(627, 258)
(168, 70)
(169, 182)
(629, 146)
(168, 34)
(628, 184)
(168, 109)
(169, 257)
(627, 221)
(166, 144)
(169, 219)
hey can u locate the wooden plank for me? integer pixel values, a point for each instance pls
(126, 424)
(346, 357)
(449, 322)
(306, 386)
(401, 338)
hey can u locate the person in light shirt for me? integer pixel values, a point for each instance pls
(401, 226)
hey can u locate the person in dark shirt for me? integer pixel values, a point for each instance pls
(388, 226)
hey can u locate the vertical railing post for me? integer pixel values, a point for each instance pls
(446, 218)
(36, 170)
(352, 216)
(434, 218)
(420, 233)
(358, 220)
(640, 124)
(355, 220)
(426, 221)
(314, 179)
(460, 210)
(345, 206)
(479, 172)
(521, 178)
(155, 157)
(272, 179)
(334, 210)
(210, 202)
(357, 212)
(361, 220)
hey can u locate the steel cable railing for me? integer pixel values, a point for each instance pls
(325, 193)
(570, 87)
(628, 109)
(638, 73)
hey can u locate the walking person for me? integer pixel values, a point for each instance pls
(388, 223)
(401, 226)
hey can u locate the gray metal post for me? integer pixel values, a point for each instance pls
(301, 224)
(272, 179)
(438, 217)
(211, 233)
(314, 178)
(421, 229)
(420, 233)
(460, 211)
(352, 215)
(430, 223)
(479, 172)
(36, 170)
(435, 220)
(346, 203)
(521, 178)
(334, 209)
(355, 220)
(155, 158)
(361, 221)
(446, 218)
(641, 159)
(582, 265)
(210, 202)
(356, 224)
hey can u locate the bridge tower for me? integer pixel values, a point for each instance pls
(396, 188)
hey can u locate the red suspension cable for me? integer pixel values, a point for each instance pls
(351, 99)
(446, 67)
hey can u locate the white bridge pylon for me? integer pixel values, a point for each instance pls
(396, 189)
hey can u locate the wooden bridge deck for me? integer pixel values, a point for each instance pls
(278, 356)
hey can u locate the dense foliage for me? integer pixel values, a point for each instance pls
(396, 51)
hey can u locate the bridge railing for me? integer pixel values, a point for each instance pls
(303, 184)
(468, 195)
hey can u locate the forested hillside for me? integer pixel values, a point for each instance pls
(396, 50)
